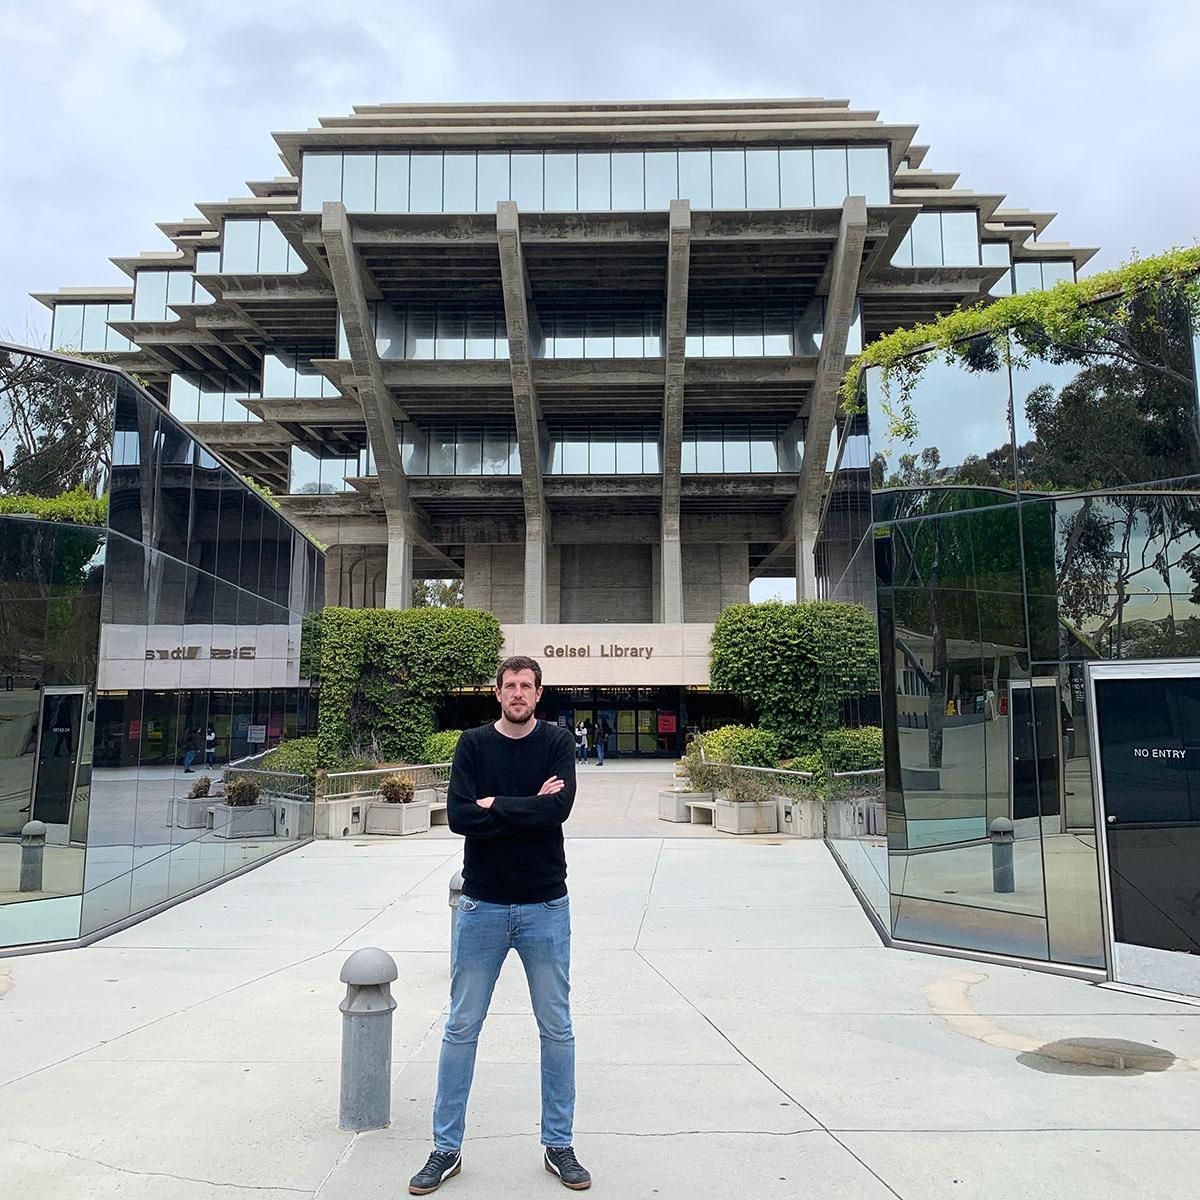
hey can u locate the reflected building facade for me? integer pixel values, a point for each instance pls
(1011, 527)
(136, 653)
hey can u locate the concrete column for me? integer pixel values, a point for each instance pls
(399, 562)
(514, 281)
(679, 237)
(844, 269)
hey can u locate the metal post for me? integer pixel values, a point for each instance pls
(1001, 833)
(33, 848)
(366, 1100)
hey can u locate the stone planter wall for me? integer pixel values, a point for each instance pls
(801, 818)
(397, 819)
(243, 820)
(189, 813)
(341, 818)
(293, 818)
(673, 805)
(754, 816)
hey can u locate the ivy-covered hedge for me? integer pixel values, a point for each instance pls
(742, 745)
(796, 663)
(297, 756)
(853, 749)
(439, 747)
(76, 507)
(383, 671)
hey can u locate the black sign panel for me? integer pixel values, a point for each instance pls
(58, 754)
(1149, 735)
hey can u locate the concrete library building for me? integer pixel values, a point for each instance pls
(582, 357)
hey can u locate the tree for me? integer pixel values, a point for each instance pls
(437, 593)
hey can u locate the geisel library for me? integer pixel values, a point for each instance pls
(583, 357)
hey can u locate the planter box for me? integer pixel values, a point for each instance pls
(801, 818)
(243, 820)
(189, 813)
(855, 818)
(397, 819)
(673, 805)
(340, 818)
(293, 818)
(754, 816)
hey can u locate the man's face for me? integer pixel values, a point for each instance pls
(518, 696)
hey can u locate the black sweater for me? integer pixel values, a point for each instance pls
(514, 852)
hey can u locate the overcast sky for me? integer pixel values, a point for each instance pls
(115, 114)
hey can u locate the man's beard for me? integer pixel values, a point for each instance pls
(517, 718)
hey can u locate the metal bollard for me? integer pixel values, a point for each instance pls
(366, 1101)
(33, 849)
(1001, 833)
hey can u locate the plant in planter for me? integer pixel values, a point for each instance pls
(694, 780)
(191, 811)
(396, 811)
(201, 788)
(241, 815)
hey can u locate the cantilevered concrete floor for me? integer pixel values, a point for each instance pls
(741, 1033)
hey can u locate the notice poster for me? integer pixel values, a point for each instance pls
(256, 735)
(667, 722)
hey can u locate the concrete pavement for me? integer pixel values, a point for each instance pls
(740, 1032)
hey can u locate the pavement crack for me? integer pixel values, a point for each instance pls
(217, 1183)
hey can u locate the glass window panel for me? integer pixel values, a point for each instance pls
(320, 180)
(561, 184)
(212, 401)
(628, 337)
(662, 178)
(869, 173)
(451, 331)
(458, 183)
(179, 289)
(343, 346)
(389, 330)
(305, 476)
(68, 327)
(762, 178)
(184, 399)
(653, 334)
(497, 451)
(391, 183)
(695, 177)
(651, 457)
(629, 182)
(1057, 272)
(239, 247)
(568, 335)
(764, 455)
(425, 183)
(491, 182)
(904, 252)
(603, 460)
(748, 331)
(308, 379)
(688, 458)
(595, 184)
(810, 327)
(737, 449)
(995, 254)
(796, 178)
(927, 240)
(777, 329)
(120, 312)
(729, 178)
(95, 326)
(419, 335)
(960, 239)
(829, 176)
(854, 335)
(481, 333)
(709, 450)
(598, 335)
(441, 450)
(416, 450)
(279, 379)
(272, 249)
(150, 295)
(575, 454)
(718, 331)
(693, 342)
(527, 181)
(1027, 276)
(358, 182)
(468, 449)
(629, 454)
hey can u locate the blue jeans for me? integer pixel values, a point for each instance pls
(601, 747)
(483, 935)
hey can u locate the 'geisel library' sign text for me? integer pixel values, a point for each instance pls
(624, 655)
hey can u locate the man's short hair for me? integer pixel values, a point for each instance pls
(520, 662)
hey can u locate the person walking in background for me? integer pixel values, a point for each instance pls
(210, 747)
(581, 742)
(602, 732)
(512, 785)
(189, 752)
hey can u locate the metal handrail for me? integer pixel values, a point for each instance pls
(422, 775)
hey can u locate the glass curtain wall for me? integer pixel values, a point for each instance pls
(1023, 523)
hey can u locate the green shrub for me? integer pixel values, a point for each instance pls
(396, 789)
(297, 757)
(439, 747)
(796, 663)
(200, 788)
(76, 506)
(812, 762)
(853, 749)
(241, 792)
(742, 745)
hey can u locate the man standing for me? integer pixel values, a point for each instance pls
(512, 786)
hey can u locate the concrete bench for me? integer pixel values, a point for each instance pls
(437, 811)
(701, 811)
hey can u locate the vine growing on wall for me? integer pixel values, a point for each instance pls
(1011, 330)
(384, 670)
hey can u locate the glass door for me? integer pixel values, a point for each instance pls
(1146, 761)
(60, 739)
(1035, 744)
